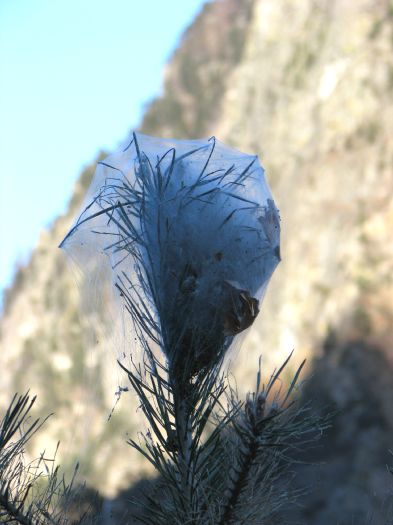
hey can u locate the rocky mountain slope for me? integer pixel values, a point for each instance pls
(307, 84)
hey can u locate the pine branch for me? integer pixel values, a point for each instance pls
(192, 235)
(24, 499)
(12, 512)
(268, 429)
(178, 413)
(184, 446)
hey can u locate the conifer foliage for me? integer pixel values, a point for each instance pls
(190, 233)
(31, 492)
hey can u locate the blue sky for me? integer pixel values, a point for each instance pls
(74, 78)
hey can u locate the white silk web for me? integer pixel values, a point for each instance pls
(184, 235)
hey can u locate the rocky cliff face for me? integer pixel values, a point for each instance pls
(314, 96)
(198, 74)
(309, 86)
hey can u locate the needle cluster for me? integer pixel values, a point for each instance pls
(31, 492)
